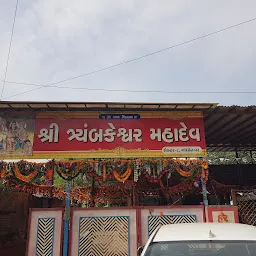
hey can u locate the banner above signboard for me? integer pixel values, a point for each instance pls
(115, 135)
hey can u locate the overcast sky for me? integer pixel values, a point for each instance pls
(57, 39)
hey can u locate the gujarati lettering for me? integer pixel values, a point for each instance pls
(119, 116)
(50, 135)
(108, 135)
(170, 135)
(87, 134)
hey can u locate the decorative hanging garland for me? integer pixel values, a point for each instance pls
(103, 170)
(53, 191)
(23, 171)
(46, 191)
(136, 172)
(187, 168)
(180, 188)
(154, 171)
(205, 171)
(104, 173)
(20, 176)
(49, 177)
(69, 170)
(95, 169)
(157, 179)
(81, 194)
(183, 173)
(113, 192)
(123, 177)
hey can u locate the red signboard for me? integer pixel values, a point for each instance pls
(120, 135)
(102, 135)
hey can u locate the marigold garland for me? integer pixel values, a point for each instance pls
(104, 173)
(20, 176)
(68, 170)
(81, 194)
(205, 171)
(112, 193)
(45, 190)
(123, 177)
(102, 170)
(189, 165)
(183, 173)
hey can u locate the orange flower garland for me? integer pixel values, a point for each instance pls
(68, 169)
(183, 173)
(24, 178)
(205, 171)
(123, 177)
(81, 194)
(48, 191)
(104, 173)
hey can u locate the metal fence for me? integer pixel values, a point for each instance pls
(245, 200)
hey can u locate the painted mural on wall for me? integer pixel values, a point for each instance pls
(16, 135)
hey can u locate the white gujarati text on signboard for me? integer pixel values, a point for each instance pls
(168, 135)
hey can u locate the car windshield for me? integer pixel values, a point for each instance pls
(202, 248)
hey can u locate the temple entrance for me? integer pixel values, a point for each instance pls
(122, 161)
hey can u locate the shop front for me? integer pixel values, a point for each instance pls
(115, 172)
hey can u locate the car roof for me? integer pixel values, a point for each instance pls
(205, 231)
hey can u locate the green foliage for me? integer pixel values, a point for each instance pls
(221, 158)
(58, 181)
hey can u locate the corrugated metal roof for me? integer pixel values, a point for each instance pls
(230, 128)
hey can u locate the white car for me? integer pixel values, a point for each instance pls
(201, 239)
